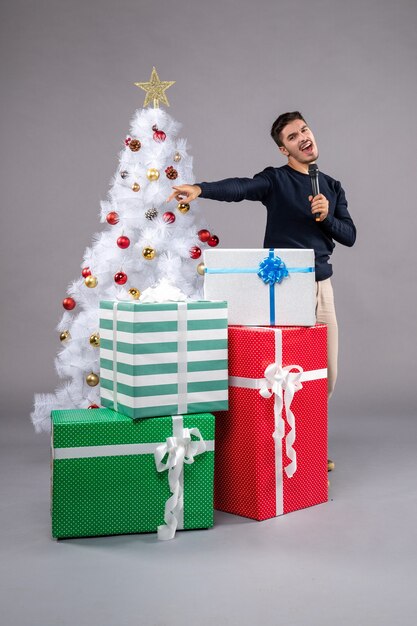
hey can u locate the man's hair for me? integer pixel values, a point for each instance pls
(281, 122)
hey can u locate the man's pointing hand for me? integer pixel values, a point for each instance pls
(185, 193)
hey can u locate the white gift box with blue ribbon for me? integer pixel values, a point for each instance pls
(263, 287)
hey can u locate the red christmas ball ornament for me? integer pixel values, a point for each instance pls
(158, 135)
(213, 241)
(112, 218)
(204, 235)
(94, 406)
(168, 217)
(68, 303)
(123, 242)
(120, 278)
(195, 252)
(86, 272)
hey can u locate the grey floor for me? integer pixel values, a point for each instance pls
(349, 562)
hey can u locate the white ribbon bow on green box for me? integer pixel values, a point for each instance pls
(178, 449)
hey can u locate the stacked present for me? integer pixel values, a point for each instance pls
(165, 368)
(165, 362)
(271, 444)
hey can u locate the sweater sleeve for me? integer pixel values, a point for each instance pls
(340, 225)
(237, 189)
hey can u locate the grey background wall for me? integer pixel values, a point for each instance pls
(67, 70)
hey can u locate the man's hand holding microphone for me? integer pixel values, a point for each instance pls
(319, 207)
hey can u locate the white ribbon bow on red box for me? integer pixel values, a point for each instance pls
(277, 379)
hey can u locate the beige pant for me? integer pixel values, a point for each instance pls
(326, 314)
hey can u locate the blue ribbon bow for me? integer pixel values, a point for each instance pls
(272, 269)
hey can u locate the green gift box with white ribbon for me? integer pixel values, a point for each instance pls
(163, 358)
(112, 475)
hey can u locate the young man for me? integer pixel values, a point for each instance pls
(295, 219)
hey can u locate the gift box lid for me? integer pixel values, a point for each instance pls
(253, 348)
(123, 305)
(238, 257)
(100, 427)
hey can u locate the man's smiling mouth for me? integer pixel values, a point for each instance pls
(306, 146)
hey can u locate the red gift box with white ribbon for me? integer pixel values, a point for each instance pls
(271, 445)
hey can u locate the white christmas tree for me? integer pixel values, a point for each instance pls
(145, 241)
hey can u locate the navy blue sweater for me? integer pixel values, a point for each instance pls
(290, 223)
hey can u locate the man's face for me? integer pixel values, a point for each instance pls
(299, 142)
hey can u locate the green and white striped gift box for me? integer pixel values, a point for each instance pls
(163, 358)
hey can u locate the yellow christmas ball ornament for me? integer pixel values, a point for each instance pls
(200, 269)
(95, 340)
(91, 282)
(92, 380)
(183, 207)
(177, 157)
(64, 336)
(152, 174)
(148, 253)
(135, 293)
(135, 187)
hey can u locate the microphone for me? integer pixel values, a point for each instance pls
(313, 172)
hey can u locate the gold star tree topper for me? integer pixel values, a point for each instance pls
(155, 90)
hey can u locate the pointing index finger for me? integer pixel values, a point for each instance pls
(173, 194)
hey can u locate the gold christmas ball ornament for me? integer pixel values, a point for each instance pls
(152, 174)
(200, 269)
(183, 207)
(64, 336)
(148, 253)
(95, 340)
(91, 282)
(135, 293)
(135, 187)
(92, 379)
(177, 157)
